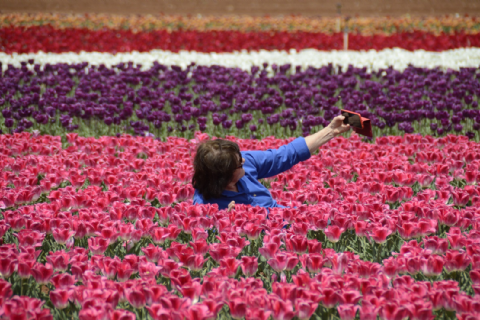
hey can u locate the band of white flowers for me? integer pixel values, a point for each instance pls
(399, 59)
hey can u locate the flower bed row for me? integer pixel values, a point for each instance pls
(398, 59)
(49, 39)
(162, 101)
(328, 25)
(104, 228)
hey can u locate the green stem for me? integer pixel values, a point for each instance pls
(379, 251)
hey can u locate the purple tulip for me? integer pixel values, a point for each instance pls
(9, 122)
(239, 124)
(108, 121)
(7, 113)
(227, 124)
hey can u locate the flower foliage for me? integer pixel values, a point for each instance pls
(105, 228)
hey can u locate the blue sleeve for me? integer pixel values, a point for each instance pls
(274, 161)
(197, 198)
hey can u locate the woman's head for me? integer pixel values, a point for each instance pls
(216, 164)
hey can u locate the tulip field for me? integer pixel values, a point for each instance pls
(100, 120)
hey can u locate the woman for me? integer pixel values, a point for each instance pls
(225, 175)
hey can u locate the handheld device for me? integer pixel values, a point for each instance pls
(359, 124)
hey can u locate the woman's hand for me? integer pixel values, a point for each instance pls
(338, 126)
(231, 206)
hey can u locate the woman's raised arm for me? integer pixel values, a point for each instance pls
(336, 127)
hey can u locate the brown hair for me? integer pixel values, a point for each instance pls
(214, 165)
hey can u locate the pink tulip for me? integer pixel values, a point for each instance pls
(42, 273)
(456, 261)
(380, 234)
(347, 311)
(195, 262)
(297, 244)
(136, 298)
(279, 262)
(305, 308)
(460, 198)
(122, 315)
(199, 312)
(238, 308)
(98, 245)
(63, 281)
(249, 266)
(268, 250)
(334, 233)
(60, 298)
(281, 310)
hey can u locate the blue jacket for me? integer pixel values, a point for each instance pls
(258, 165)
